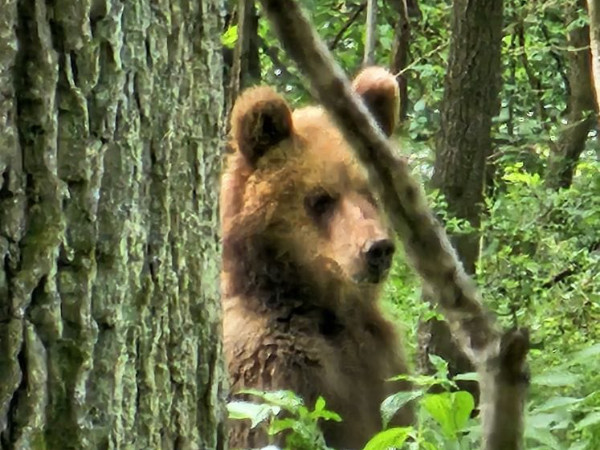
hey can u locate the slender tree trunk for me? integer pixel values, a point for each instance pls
(245, 68)
(407, 11)
(594, 12)
(580, 118)
(469, 104)
(370, 33)
(109, 155)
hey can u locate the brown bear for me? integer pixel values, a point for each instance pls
(305, 250)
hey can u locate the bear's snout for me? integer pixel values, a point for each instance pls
(378, 255)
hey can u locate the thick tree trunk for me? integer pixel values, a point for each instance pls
(469, 104)
(581, 118)
(109, 155)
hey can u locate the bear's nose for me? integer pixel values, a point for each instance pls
(379, 256)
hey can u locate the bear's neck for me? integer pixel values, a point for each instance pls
(259, 272)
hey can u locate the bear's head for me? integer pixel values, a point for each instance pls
(297, 212)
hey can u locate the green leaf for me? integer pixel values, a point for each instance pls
(439, 363)
(420, 105)
(319, 404)
(394, 402)
(556, 379)
(542, 421)
(543, 436)
(330, 415)
(279, 425)
(592, 418)
(285, 399)
(580, 445)
(450, 409)
(469, 376)
(389, 439)
(321, 413)
(558, 402)
(230, 36)
(255, 413)
(585, 355)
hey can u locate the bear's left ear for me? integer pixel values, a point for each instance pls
(260, 120)
(379, 90)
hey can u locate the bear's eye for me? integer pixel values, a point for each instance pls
(319, 203)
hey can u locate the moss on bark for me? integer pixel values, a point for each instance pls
(110, 133)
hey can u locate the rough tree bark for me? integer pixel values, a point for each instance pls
(470, 102)
(498, 356)
(109, 156)
(581, 105)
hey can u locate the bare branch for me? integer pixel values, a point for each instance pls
(338, 37)
(499, 359)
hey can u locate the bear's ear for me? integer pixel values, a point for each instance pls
(260, 120)
(379, 90)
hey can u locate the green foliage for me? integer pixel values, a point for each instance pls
(300, 423)
(390, 438)
(540, 252)
(443, 417)
(229, 38)
(539, 267)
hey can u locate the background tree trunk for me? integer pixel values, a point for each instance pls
(109, 306)
(580, 117)
(470, 102)
(245, 63)
(370, 33)
(594, 12)
(408, 11)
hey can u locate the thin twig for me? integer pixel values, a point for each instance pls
(423, 58)
(338, 37)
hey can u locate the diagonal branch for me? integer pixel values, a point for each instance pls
(338, 37)
(499, 358)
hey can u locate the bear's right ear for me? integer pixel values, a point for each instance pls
(380, 92)
(260, 119)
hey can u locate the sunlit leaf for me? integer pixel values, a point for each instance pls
(450, 409)
(592, 418)
(556, 379)
(389, 439)
(252, 411)
(230, 36)
(393, 403)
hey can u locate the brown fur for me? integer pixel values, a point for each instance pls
(300, 308)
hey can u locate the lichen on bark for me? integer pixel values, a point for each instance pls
(109, 141)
